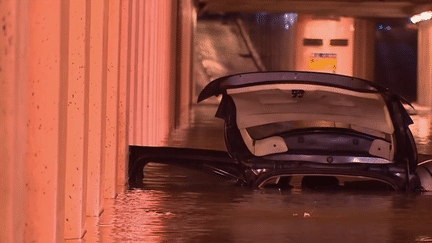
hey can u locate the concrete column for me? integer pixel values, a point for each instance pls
(152, 72)
(160, 26)
(112, 99)
(76, 162)
(364, 49)
(184, 61)
(95, 111)
(104, 107)
(167, 13)
(424, 64)
(165, 69)
(139, 88)
(123, 93)
(13, 117)
(146, 71)
(47, 99)
(172, 32)
(133, 72)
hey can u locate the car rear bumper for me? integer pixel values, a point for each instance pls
(257, 172)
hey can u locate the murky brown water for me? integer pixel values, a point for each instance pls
(181, 205)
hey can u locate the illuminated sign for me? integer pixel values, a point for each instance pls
(326, 62)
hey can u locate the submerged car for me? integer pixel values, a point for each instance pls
(317, 125)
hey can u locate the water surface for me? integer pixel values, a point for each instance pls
(182, 205)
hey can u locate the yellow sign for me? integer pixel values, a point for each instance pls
(326, 62)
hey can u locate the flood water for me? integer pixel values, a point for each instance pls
(182, 205)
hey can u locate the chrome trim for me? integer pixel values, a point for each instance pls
(424, 162)
(328, 159)
(267, 181)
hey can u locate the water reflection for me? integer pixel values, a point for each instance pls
(143, 216)
(213, 213)
(422, 132)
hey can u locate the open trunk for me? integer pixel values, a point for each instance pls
(284, 123)
(319, 127)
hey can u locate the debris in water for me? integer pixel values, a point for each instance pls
(423, 238)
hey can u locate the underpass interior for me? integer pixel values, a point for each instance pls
(83, 80)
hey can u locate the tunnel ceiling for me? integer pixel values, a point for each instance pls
(355, 8)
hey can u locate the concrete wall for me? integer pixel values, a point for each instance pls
(80, 81)
(13, 119)
(325, 29)
(424, 67)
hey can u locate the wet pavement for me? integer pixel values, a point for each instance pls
(182, 205)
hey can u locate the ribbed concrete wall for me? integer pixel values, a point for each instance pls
(79, 82)
(13, 119)
(77, 137)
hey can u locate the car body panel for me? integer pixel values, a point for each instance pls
(308, 119)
